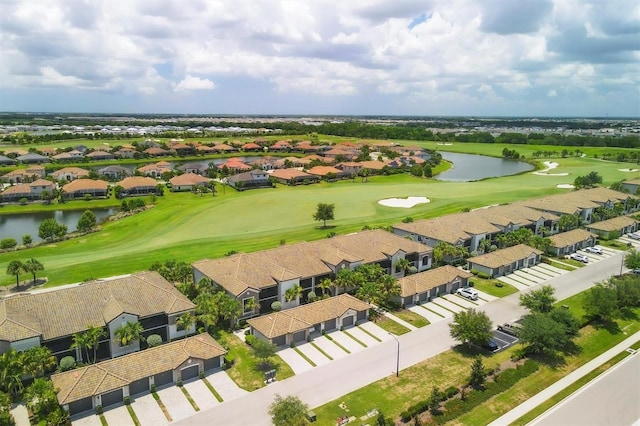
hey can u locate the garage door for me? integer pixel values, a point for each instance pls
(454, 286)
(280, 340)
(362, 315)
(210, 364)
(139, 386)
(189, 373)
(112, 397)
(422, 297)
(80, 406)
(300, 336)
(347, 321)
(163, 378)
(330, 325)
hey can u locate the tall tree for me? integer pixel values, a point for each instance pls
(80, 341)
(541, 333)
(601, 302)
(38, 360)
(93, 335)
(185, 321)
(129, 333)
(324, 212)
(632, 259)
(32, 266)
(50, 229)
(289, 411)
(293, 293)
(476, 378)
(325, 285)
(87, 221)
(471, 326)
(15, 267)
(540, 300)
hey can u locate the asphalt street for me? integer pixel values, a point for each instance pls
(326, 383)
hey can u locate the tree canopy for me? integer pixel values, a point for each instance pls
(87, 221)
(540, 300)
(324, 212)
(471, 326)
(288, 411)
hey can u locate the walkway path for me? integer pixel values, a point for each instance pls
(569, 379)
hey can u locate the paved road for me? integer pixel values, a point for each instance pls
(326, 383)
(612, 399)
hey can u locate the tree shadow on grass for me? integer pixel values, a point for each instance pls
(551, 360)
(629, 315)
(610, 325)
(468, 351)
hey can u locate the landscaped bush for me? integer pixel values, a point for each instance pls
(483, 275)
(8, 243)
(154, 340)
(67, 363)
(250, 339)
(127, 400)
(474, 271)
(99, 409)
(450, 392)
(276, 306)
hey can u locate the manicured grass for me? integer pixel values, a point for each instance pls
(391, 326)
(355, 338)
(572, 262)
(564, 393)
(412, 318)
(212, 390)
(103, 420)
(244, 371)
(574, 304)
(451, 368)
(337, 344)
(306, 358)
(189, 398)
(364, 330)
(187, 227)
(493, 287)
(319, 349)
(133, 415)
(559, 265)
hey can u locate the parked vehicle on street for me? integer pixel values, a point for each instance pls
(579, 257)
(594, 250)
(467, 292)
(512, 328)
(491, 345)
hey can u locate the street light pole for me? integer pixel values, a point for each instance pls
(397, 356)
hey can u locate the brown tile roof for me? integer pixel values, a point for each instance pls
(98, 154)
(505, 256)
(324, 171)
(155, 151)
(116, 373)
(425, 281)
(189, 179)
(303, 317)
(85, 184)
(372, 164)
(291, 174)
(570, 202)
(613, 224)
(137, 181)
(265, 268)
(66, 311)
(77, 171)
(570, 237)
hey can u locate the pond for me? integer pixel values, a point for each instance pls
(469, 167)
(16, 225)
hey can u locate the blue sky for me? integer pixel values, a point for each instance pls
(401, 57)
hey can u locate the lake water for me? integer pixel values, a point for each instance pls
(17, 225)
(468, 167)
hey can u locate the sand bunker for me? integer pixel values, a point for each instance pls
(550, 166)
(565, 186)
(444, 143)
(628, 170)
(404, 202)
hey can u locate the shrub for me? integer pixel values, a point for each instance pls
(247, 332)
(292, 344)
(153, 388)
(154, 340)
(483, 275)
(7, 243)
(474, 271)
(408, 219)
(23, 201)
(67, 363)
(276, 306)
(98, 409)
(450, 392)
(127, 400)
(250, 339)
(179, 383)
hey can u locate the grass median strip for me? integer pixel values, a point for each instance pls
(103, 420)
(133, 415)
(454, 302)
(373, 336)
(432, 311)
(189, 398)
(355, 338)
(493, 287)
(161, 405)
(443, 307)
(412, 318)
(306, 358)
(212, 389)
(390, 326)
(337, 344)
(321, 351)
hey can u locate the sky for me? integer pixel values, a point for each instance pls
(328, 57)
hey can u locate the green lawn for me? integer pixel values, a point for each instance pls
(391, 326)
(187, 227)
(493, 287)
(412, 318)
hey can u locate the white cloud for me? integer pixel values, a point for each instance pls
(51, 77)
(194, 83)
(552, 93)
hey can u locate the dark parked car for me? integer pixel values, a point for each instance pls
(491, 345)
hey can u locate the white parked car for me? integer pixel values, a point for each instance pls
(579, 257)
(634, 236)
(594, 250)
(467, 292)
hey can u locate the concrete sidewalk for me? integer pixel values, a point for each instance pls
(566, 381)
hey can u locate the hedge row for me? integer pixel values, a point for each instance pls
(457, 407)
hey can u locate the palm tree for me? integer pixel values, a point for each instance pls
(326, 284)
(207, 310)
(38, 360)
(250, 305)
(402, 265)
(129, 333)
(93, 336)
(81, 341)
(185, 321)
(15, 267)
(11, 372)
(293, 293)
(33, 266)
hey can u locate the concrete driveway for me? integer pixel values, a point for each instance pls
(443, 303)
(330, 348)
(226, 388)
(377, 331)
(176, 403)
(432, 317)
(201, 394)
(118, 415)
(311, 352)
(89, 419)
(298, 364)
(148, 411)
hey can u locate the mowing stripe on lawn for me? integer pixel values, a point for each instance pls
(321, 351)
(337, 344)
(306, 358)
(432, 311)
(370, 334)
(354, 338)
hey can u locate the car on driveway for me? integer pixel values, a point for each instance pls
(579, 257)
(512, 328)
(467, 292)
(634, 236)
(594, 250)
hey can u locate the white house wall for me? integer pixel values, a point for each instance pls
(116, 349)
(23, 345)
